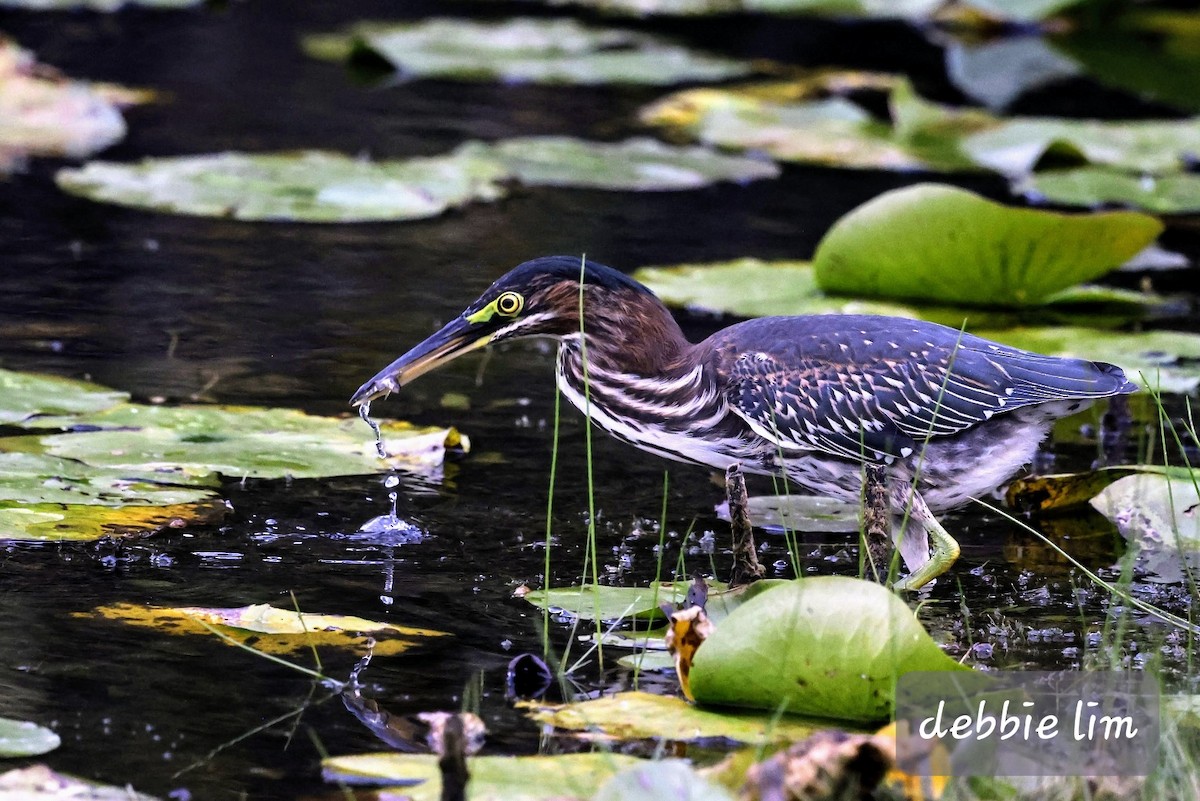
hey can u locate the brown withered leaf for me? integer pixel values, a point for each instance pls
(688, 630)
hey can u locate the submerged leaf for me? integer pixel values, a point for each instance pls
(635, 164)
(493, 778)
(944, 244)
(310, 186)
(828, 646)
(641, 715)
(1060, 491)
(527, 50)
(22, 738)
(54, 522)
(271, 630)
(1177, 193)
(245, 441)
(661, 780)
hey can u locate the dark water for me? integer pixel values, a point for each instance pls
(298, 315)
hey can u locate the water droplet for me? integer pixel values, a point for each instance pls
(391, 481)
(364, 411)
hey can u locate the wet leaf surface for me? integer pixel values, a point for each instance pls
(923, 10)
(661, 780)
(22, 738)
(526, 49)
(602, 602)
(1153, 509)
(26, 397)
(245, 441)
(493, 778)
(641, 715)
(269, 629)
(53, 522)
(828, 646)
(800, 513)
(40, 783)
(943, 244)
(29, 478)
(312, 186)
(1177, 193)
(632, 165)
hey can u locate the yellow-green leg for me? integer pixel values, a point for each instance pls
(943, 548)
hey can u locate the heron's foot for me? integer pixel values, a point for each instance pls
(943, 553)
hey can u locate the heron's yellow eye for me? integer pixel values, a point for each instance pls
(509, 304)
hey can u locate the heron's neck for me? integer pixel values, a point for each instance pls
(637, 337)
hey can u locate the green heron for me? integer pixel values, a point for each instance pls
(949, 416)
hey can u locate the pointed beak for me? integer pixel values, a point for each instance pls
(457, 337)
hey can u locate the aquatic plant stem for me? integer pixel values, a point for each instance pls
(550, 523)
(591, 551)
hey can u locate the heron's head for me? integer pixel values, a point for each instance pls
(537, 298)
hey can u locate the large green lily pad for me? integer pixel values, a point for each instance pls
(310, 186)
(40, 783)
(493, 778)
(943, 244)
(22, 738)
(24, 397)
(527, 50)
(602, 602)
(640, 715)
(635, 164)
(828, 646)
(28, 478)
(269, 629)
(240, 442)
(1177, 193)
(1168, 361)
(45, 115)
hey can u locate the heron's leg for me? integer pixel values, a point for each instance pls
(877, 522)
(944, 549)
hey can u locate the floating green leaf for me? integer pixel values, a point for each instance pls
(1177, 193)
(602, 602)
(1162, 360)
(24, 397)
(310, 186)
(21, 738)
(527, 50)
(196, 440)
(28, 478)
(997, 71)
(640, 715)
(944, 244)
(1015, 147)
(268, 629)
(1155, 509)
(493, 778)
(635, 164)
(42, 114)
(964, 13)
(801, 513)
(661, 780)
(828, 646)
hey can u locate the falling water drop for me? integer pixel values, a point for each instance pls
(364, 411)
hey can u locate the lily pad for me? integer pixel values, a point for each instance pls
(106, 6)
(30, 478)
(40, 783)
(602, 602)
(997, 71)
(1177, 193)
(948, 245)
(1154, 509)
(753, 288)
(311, 186)
(828, 646)
(973, 11)
(242, 442)
(635, 164)
(661, 780)
(1016, 146)
(1162, 360)
(640, 716)
(493, 778)
(43, 114)
(51, 522)
(25, 397)
(271, 630)
(800, 513)
(527, 50)
(22, 738)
